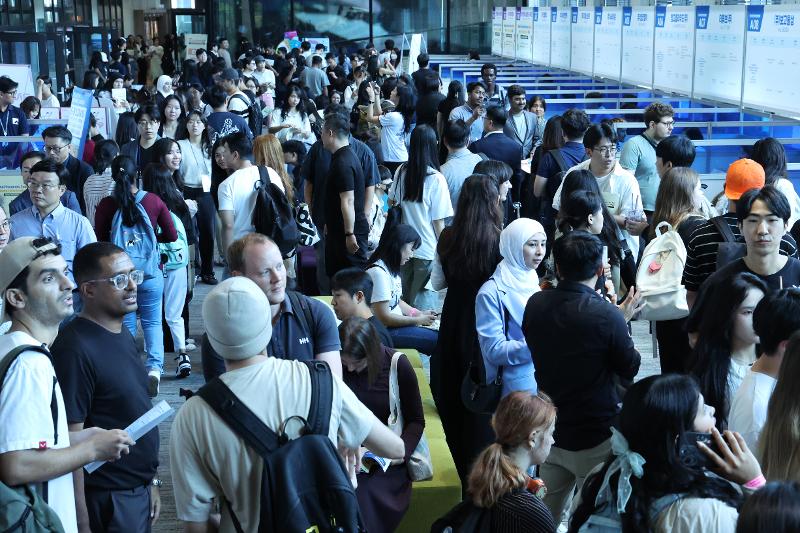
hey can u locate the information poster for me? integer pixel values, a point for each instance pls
(607, 41)
(414, 49)
(772, 63)
(78, 120)
(10, 187)
(582, 45)
(525, 33)
(637, 45)
(719, 52)
(560, 37)
(509, 32)
(21, 74)
(497, 31)
(193, 42)
(674, 49)
(541, 35)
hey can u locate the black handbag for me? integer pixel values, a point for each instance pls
(477, 395)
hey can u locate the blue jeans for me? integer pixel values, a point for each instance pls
(149, 299)
(421, 339)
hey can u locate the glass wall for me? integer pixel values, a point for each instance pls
(448, 25)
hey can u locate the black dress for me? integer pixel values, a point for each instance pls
(467, 433)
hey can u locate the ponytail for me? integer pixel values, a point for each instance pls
(493, 475)
(123, 171)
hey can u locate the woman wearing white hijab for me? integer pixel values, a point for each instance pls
(501, 302)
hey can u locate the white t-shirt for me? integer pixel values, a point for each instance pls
(393, 139)
(214, 460)
(51, 102)
(264, 78)
(786, 187)
(237, 193)
(237, 103)
(620, 192)
(386, 287)
(27, 422)
(435, 205)
(296, 120)
(736, 373)
(749, 407)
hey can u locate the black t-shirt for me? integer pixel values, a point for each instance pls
(345, 174)
(428, 108)
(788, 276)
(222, 123)
(105, 385)
(383, 333)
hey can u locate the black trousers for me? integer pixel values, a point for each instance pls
(205, 222)
(119, 511)
(673, 346)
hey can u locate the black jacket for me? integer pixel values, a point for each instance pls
(500, 147)
(579, 343)
(79, 172)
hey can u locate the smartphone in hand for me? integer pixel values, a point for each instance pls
(690, 454)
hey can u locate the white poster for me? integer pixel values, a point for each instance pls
(414, 49)
(607, 41)
(719, 52)
(674, 49)
(509, 31)
(637, 45)
(193, 42)
(497, 31)
(772, 63)
(525, 33)
(541, 35)
(582, 39)
(21, 74)
(560, 37)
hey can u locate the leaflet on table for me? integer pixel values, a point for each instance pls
(160, 412)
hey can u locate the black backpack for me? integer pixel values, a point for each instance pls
(23, 508)
(465, 517)
(304, 486)
(254, 120)
(274, 216)
(731, 248)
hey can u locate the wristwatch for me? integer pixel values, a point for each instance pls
(348, 234)
(156, 482)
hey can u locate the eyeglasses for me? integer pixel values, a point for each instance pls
(54, 149)
(606, 150)
(12, 93)
(120, 281)
(668, 124)
(35, 186)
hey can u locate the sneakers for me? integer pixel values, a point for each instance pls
(191, 345)
(153, 380)
(184, 366)
(209, 279)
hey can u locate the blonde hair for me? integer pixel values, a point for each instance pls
(779, 444)
(494, 473)
(267, 152)
(675, 197)
(235, 252)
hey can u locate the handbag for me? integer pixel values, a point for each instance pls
(420, 465)
(305, 226)
(478, 395)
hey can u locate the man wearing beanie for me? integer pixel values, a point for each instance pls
(701, 250)
(209, 458)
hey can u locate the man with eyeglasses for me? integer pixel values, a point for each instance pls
(639, 152)
(23, 200)
(618, 186)
(47, 217)
(35, 444)
(57, 141)
(12, 122)
(105, 385)
(473, 110)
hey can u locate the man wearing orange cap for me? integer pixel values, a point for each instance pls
(705, 241)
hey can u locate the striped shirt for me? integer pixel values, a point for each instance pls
(701, 251)
(520, 511)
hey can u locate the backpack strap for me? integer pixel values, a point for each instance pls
(239, 417)
(560, 161)
(248, 103)
(302, 311)
(661, 504)
(724, 229)
(319, 412)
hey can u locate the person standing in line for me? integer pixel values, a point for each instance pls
(13, 121)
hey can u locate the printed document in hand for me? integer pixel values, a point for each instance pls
(160, 412)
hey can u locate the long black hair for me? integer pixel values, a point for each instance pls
(104, 153)
(301, 105)
(391, 245)
(157, 179)
(162, 148)
(406, 106)
(124, 172)
(423, 155)
(712, 352)
(584, 180)
(656, 413)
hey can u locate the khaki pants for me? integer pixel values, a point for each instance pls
(564, 471)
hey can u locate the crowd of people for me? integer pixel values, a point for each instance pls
(393, 188)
